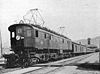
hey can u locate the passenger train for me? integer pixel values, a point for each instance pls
(34, 44)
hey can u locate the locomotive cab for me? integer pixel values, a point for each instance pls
(21, 42)
(19, 36)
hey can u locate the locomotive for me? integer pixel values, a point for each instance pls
(33, 44)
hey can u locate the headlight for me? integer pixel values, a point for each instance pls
(17, 37)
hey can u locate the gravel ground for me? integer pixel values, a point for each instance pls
(8, 70)
(80, 70)
(74, 70)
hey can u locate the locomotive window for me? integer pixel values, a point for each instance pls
(19, 30)
(62, 40)
(68, 42)
(36, 33)
(28, 33)
(50, 37)
(13, 34)
(76, 48)
(45, 36)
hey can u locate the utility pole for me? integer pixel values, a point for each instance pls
(99, 51)
(99, 55)
(0, 44)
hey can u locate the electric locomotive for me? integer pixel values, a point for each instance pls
(32, 44)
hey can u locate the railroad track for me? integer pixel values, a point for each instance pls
(3, 70)
(48, 67)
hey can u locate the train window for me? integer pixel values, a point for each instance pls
(76, 48)
(50, 37)
(36, 33)
(55, 39)
(19, 30)
(28, 33)
(13, 34)
(68, 43)
(45, 36)
(62, 40)
(72, 46)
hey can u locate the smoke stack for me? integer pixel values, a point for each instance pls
(89, 41)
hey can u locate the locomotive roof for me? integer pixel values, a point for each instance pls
(46, 29)
(12, 27)
(78, 43)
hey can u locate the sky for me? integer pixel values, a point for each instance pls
(81, 18)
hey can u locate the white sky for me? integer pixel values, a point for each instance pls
(80, 17)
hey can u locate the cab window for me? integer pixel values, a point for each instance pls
(13, 34)
(28, 33)
(36, 33)
(19, 30)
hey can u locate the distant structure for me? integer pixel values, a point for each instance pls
(92, 46)
(89, 41)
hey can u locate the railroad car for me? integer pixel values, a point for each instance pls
(79, 49)
(32, 44)
(89, 50)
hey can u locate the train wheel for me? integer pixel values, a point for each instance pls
(34, 61)
(26, 64)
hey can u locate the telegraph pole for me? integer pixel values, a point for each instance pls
(0, 44)
(99, 51)
(99, 55)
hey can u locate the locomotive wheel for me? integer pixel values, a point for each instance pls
(26, 64)
(34, 61)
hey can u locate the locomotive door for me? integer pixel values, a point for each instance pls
(19, 37)
(29, 38)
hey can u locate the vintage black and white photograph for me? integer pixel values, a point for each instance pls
(49, 36)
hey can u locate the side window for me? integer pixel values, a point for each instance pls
(68, 42)
(36, 33)
(62, 40)
(13, 34)
(28, 33)
(76, 48)
(19, 30)
(45, 35)
(72, 46)
(50, 37)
